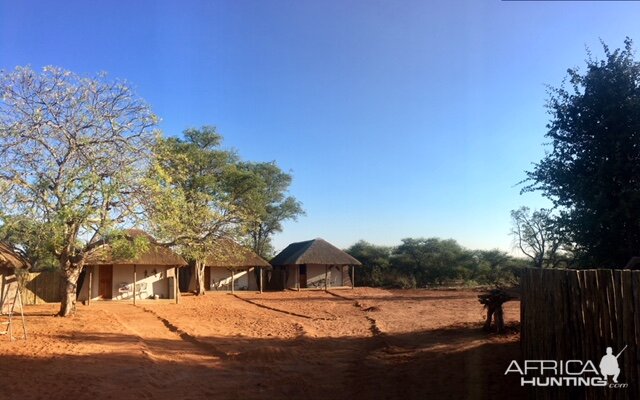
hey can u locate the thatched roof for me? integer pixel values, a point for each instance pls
(316, 251)
(10, 259)
(156, 255)
(229, 254)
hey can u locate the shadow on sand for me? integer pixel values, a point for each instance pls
(453, 363)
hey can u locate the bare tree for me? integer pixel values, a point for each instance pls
(536, 237)
(72, 151)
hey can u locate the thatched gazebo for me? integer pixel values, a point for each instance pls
(229, 266)
(151, 275)
(313, 264)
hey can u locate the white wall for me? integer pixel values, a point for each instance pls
(221, 279)
(82, 296)
(151, 280)
(254, 283)
(336, 276)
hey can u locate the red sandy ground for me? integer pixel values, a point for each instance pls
(365, 344)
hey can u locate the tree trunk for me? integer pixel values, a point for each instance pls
(200, 284)
(69, 284)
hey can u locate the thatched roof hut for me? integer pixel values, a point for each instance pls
(156, 255)
(316, 251)
(229, 254)
(312, 264)
(228, 266)
(152, 274)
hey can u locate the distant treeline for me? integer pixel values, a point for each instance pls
(421, 262)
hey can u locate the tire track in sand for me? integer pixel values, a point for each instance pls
(186, 337)
(374, 328)
(155, 380)
(283, 311)
(139, 339)
(377, 342)
(159, 329)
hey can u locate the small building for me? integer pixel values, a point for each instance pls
(151, 275)
(312, 264)
(229, 267)
(10, 261)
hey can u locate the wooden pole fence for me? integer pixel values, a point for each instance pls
(576, 315)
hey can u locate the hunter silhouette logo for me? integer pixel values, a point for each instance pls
(609, 364)
(545, 373)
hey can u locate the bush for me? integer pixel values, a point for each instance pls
(399, 281)
(433, 262)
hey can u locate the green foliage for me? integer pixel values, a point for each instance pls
(432, 262)
(497, 268)
(36, 241)
(376, 262)
(127, 248)
(275, 207)
(592, 173)
(199, 193)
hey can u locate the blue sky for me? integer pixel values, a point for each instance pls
(397, 119)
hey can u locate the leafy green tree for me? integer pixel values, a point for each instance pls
(276, 207)
(495, 267)
(31, 239)
(376, 263)
(71, 152)
(592, 172)
(420, 262)
(430, 261)
(199, 193)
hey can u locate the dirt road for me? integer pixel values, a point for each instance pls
(348, 344)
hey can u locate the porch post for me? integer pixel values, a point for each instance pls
(353, 276)
(232, 281)
(260, 280)
(177, 285)
(134, 284)
(297, 277)
(326, 276)
(90, 285)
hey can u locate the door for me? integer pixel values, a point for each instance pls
(105, 285)
(207, 278)
(303, 276)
